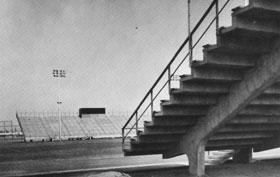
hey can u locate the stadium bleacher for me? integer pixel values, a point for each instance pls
(46, 127)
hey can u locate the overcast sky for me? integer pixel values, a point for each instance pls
(112, 51)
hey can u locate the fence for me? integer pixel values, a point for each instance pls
(10, 131)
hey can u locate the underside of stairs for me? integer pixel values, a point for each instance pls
(231, 100)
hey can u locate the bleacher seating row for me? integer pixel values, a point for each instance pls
(46, 128)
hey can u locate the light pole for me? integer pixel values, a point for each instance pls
(59, 119)
(59, 74)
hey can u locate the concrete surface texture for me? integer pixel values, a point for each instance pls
(109, 174)
(83, 158)
(256, 169)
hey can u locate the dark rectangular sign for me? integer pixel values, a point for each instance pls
(91, 111)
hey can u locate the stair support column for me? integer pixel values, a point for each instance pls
(243, 156)
(196, 156)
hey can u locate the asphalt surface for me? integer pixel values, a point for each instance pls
(83, 158)
(49, 158)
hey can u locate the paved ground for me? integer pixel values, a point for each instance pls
(257, 169)
(82, 158)
(18, 158)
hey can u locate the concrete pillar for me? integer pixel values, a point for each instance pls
(243, 156)
(196, 157)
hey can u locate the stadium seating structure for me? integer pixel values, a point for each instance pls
(46, 128)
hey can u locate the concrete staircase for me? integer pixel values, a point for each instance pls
(231, 100)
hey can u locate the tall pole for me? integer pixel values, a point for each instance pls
(59, 74)
(4, 130)
(59, 119)
(190, 34)
(217, 17)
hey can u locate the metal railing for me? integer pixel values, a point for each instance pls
(46, 114)
(10, 131)
(167, 70)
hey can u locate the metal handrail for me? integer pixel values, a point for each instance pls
(168, 67)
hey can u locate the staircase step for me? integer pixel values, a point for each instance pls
(204, 87)
(193, 99)
(158, 138)
(174, 120)
(216, 74)
(191, 79)
(240, 135)
(189, 92)
(270, 5)
(260, 9)
(264, 22)
(258, 26)
(232, 143)
(256, 119)
(184, 110)
(219, 60)
(237, 42)
(225, 60)
(180, 104)
(240, 32)
(249, 128)
(260, 110)
(165, 130)
(232, 128)
(234, 49)
(274, 90)
(138, 146)
(267, 100)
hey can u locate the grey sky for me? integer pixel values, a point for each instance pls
(112, 51)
